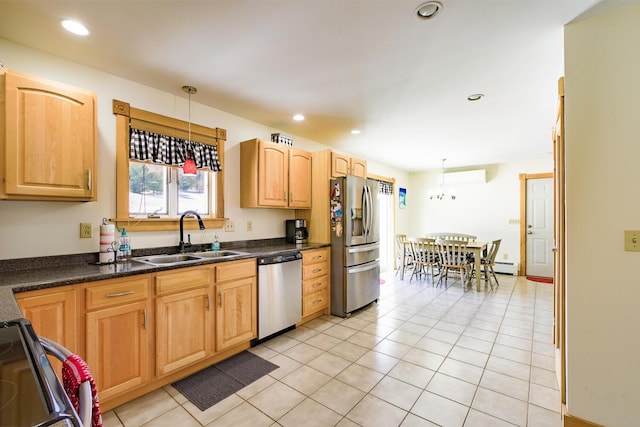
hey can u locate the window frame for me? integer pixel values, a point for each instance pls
(127, 116)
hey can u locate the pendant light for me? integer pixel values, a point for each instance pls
(189, 167)
(441, 193)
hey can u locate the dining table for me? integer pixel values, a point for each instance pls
(476, 248)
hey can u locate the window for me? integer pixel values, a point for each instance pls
(152, 192)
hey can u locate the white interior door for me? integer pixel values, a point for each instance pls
(539, 227)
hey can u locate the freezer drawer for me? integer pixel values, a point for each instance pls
(359, 286)
(361, 254)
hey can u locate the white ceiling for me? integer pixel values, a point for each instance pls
(344, 64)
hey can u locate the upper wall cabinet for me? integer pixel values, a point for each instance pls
(274, 176)
(48, 139)
(343, 165)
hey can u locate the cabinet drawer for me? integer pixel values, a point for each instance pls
(117, 291)
(313, 285)
(184, 278)
(314, 302)
(235, 270)
(316, 255)
(315, 270)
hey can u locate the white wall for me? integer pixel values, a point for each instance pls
(483, 210)
(602, 89)
(31, 229)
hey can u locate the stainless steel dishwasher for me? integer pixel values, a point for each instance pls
(279, 293)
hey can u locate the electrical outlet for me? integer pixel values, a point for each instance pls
(505, 256)
(632, 240)
(249, 225)
(228, 225)
(514, 221)
(85, 230)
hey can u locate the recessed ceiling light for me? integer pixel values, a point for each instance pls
(298, 117)
(355, 132)
(75, 27)
(475, 97)
(427, 10)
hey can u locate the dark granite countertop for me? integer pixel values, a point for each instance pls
(21, 275)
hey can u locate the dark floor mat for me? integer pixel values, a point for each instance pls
(215, 383)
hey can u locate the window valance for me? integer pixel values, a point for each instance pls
(385, 187)
(168, 150)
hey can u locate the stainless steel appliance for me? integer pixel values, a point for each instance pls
(30, 393)
(355, 248)
(297, 231)
(279, 293)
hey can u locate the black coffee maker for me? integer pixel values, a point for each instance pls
(297, 231)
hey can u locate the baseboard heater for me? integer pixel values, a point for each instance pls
(506, 268)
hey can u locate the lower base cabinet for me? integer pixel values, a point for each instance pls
(144, 331)
(118, 334)
(118, 348)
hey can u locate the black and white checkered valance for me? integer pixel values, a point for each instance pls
(385, 187)
(149, 146)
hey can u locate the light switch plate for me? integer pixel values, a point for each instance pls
(632, 240)
(228, 226)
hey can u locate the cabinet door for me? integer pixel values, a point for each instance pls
(183, 329)
(236, 312)
(340, 165)
(51, 132)
(358, 167)
(299, 179)
(273, 169)
(53, 315)
(118, 348)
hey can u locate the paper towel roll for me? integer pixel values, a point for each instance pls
(107, 236)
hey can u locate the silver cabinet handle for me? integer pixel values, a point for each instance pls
(220, 294)
(317, 270)
(208, 302)
(315, 285)
(119, 294)
(89, 183)
(317, 256)
(144, 319)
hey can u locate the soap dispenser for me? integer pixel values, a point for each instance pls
(215, 246)
(124, 247)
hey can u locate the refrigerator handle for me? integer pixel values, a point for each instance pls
(365, 211)
(362, 248)
(360, 269)
(371, 212)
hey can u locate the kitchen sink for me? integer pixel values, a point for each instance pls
(186, 258)
(168, 259)
(219, 254)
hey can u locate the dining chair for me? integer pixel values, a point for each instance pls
(489, 261)
(454, 257)
(425, 257)
(404, 256)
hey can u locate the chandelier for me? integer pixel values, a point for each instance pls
(441, 194)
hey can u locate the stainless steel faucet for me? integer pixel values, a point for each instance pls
(182, 245)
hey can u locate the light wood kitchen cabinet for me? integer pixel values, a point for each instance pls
(118, 334)
(48, 137)
(315, 283)
(236, 303)
(274, 175)
(53, 315)
(343, 165)
(183, 303)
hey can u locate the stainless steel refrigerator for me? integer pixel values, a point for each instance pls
(355, 246)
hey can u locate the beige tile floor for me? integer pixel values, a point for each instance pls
(422, 356)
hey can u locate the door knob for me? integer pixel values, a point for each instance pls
(529, 232)
(529, 226)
